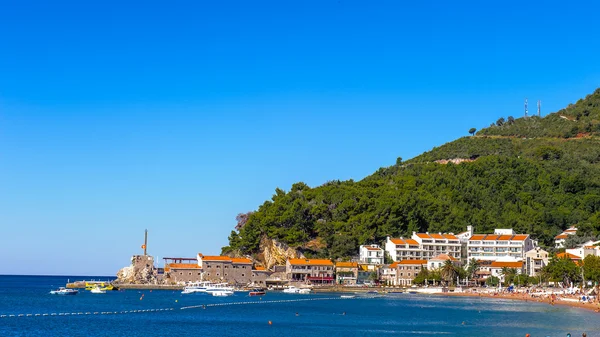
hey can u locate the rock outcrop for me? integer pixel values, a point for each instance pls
(141, 271)
(276, 253)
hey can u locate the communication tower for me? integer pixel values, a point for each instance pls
(525, 107)
(539, 108)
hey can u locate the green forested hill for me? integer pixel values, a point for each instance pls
(536, 175)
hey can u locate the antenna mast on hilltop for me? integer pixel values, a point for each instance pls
(525, 107)
(539, 108)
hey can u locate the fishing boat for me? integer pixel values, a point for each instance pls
(97, 290)
(101, 285)
(64, 291)
(256, 292)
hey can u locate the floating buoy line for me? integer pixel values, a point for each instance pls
(203, 306)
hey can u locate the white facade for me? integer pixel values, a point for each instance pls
(535, 260)
(423, 246)
(440, 260)
(371, 254)
(559, 240)
(502, 244)
(497, 266)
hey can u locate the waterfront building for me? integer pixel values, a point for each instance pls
(371, 254)
(226, 269)
(439, 261)
(317, 271)
(346, 273)
(181, 270)
(423, 246)
(387, 274)
(260, 276)
(535, 260)
(503, 244)
(367, 273)
(407, 270)
(559, 240)
(497, 268)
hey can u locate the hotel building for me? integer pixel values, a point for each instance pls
(371, 254)
(423, 246)
(318, 271)
(504, 243)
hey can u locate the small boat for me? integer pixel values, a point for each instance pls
(64, 291)
(291, 290)
(347, 296)
(257, 292)
(101, 285)
(304, 291)
(97, 290)
(222, 293)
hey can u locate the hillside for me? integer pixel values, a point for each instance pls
(536, 175)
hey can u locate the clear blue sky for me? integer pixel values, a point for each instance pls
(176, 116)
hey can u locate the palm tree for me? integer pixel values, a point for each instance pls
(473, 268)
(449, 272)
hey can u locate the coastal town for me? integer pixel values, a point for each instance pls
(433, 260)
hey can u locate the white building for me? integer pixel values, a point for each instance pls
(371, 254)
(423, 246)
(559, 240)
(496, 268)
(588, 248)
(504, 243)
(439, 261)
(387, 274)
(535, 260)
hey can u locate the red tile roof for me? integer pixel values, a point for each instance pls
(450, 237)
(437, 236)
(414, 262)
(477, 237)
(423, 235)
(567, 256)
(312, 262)
(561, 236)
(505, 237)
(499, 264)
(372, 248)
(444, 257)
(259, 268)
(241, 260)
(520, 237)
(183, 266)
(346, 265)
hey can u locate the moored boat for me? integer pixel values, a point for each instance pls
(97, 290)
(64, 291)
(197, 287)
(222, 293)
(256, 292)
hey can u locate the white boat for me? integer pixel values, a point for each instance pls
(219, 288)
(64, 291)
(291, 290)
(97, 290)
(222, 293)
(347, 296)
(197, 287)
(296, 290)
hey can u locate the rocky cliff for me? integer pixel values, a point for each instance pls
(141, 271)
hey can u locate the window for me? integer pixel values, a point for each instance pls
(408, 274)
(217, 274)
(180, 273)
(190, 274)
(218, 266)
(243, 275)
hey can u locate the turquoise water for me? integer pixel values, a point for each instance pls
(318, 314)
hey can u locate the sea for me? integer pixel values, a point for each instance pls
(27, 309)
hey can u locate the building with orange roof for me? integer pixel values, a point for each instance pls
(503, 244)
(423, 246)
(226, 269)
(371, 254)
(346, 273)
(440, 260)
(181, 270)
(407, 270)
(559, 240)
(314, 271)
(497, 268)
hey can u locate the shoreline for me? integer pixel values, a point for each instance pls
(594, 306)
